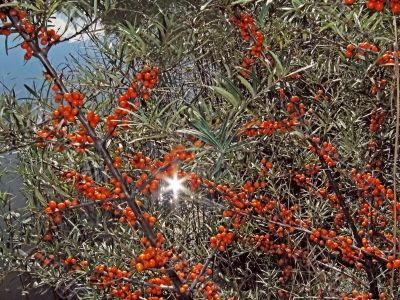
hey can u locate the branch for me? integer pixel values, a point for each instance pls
(208, 261)
(368, 264)
(101, 149)
(396, 145)
(41, 54)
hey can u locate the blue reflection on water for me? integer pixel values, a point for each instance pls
(15, 71)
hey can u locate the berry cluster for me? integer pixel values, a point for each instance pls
(379, 5)
(54, 210)
(210, 291)
(44, 37)
(319, 95)
(43, 259)
(188, 275)
(140, 162)
(355, 295)
(86, 185)
(112, 280)
(251, 187)
(128, 216)
(155, 286)
(268, 127)
(380, 84)
(362, 49)
(223, 238)
(249, 31)
(151, 258)
(325, 150)
(371, 186)
(7, 15)
(47, 36)
(80, 140)
(48, 135)
(93, 118)
(266, 166)
(72, 264)
(129, 102)
(260, 206)
(377, 119)
(68, 113)
(387, 58)
(197, 271)
(149, 77)
(295, 109)
(342, 243)
(393, 263)
(160, 169)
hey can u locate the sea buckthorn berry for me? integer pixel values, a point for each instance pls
(348, 2)
(61, 206)
(52, 205)
(139, 267)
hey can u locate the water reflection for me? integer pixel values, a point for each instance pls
(13, 287)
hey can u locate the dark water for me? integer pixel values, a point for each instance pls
(11, 182)
(14, 73)
(15, 287)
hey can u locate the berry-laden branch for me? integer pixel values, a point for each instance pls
(396, 142)
(249, 33)
(98, 144)
(20, 24)
(368, 264)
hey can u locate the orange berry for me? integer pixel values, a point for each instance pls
(348, 2)
(52, 204)
(396, 263)
(139, 267)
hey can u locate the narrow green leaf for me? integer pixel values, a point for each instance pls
(9, 4)
(228, 96)
(241, 2)
(279, 66)
(204, 6)
(264, 12)
(39, 197)
(247, 85)
(30, 90)
(297, 3)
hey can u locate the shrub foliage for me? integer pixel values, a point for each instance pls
(206, 150)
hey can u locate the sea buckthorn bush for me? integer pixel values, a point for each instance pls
(211, 150)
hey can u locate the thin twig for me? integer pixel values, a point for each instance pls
(396, 146)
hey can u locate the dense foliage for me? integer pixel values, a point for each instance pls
(207, 149)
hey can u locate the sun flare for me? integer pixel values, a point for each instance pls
(175, 185)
